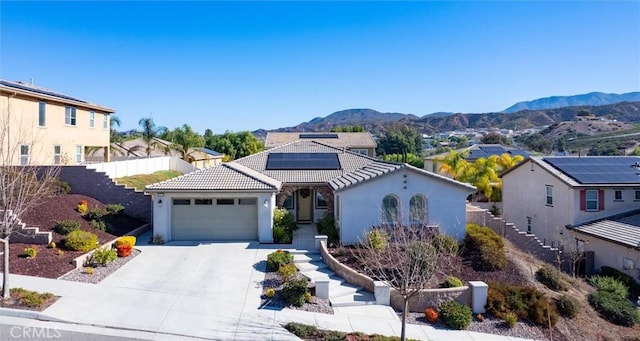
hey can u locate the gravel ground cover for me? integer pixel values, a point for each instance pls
(99, 272)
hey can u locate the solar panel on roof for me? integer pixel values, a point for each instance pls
(598, 170)
(301, 161)
(40, 91)
(318, 136)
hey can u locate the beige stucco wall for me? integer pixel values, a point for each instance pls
(20, 114)
(611, 254)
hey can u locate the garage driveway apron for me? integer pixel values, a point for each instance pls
(185, 288)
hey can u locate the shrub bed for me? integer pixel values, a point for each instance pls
(526, 302)
(283, 226)
(614, 308)
(629, 282)
(66, 226)
(551, 278)
(567, 306)
(277, 259)
(327, 226)
(81, 241)
(103, 256)
(487, 245)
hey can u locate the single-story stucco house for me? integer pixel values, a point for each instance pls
(235, 200)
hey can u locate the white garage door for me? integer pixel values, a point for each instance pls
(214, 219)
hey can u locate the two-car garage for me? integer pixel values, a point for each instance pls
(214, 218)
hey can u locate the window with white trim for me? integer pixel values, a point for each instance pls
(92, 119)
(637, 194)
(549, 195)
(390, 209)
(321, 202)
(361, 151)
(79, 154)
(105, 121)
(288, 202)
(57, 154)
(591, 200)
(418, 208)
(617, 195)
(24, 154)
(70, 116)
(42, 114)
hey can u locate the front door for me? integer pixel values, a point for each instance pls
(305, 205)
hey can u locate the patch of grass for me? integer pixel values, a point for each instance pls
(141, 180)
(32, 299)
(308, 332)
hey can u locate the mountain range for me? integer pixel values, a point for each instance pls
(539, 112)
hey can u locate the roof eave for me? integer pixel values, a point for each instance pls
(57, 99)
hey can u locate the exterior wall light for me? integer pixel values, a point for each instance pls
(266, 204)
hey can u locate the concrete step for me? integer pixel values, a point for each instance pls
(342, 289)
(358, 298)
(311, 266)
(307, 257)
(322, 273)
(300, 251)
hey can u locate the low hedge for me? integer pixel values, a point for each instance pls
(66, 226)
(634, 287)
(488, 246)
(616, 309)
(527, 302)
(81, 241)
(609, 284)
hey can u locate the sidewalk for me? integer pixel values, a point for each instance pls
(167, 313)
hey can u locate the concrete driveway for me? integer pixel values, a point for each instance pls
(205, 290)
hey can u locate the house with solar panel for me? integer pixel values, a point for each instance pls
(49, 128)
(236, 200)
(357, 142)
(578, 202)
(473, 153)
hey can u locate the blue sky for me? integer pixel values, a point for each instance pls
(248, 65)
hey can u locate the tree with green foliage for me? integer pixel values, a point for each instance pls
(184, 139)
(412, 159)
(495, 138)
(605, 149)
(347, 129)
(537, 142)
(453, 164)
(400, 139)
(234, 145)
(150, 132)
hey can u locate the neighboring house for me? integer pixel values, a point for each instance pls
(361, 143)
(472, 153)
(136, 149)
(49, 128)
(235, 200)
(614, 241)
(544, 196)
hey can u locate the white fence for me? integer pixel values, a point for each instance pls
(118, 169)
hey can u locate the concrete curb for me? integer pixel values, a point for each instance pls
(30, 314)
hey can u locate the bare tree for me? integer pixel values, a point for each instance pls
(404, 257)
(22, 185)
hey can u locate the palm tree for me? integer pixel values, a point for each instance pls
(454, 165)
(115, 142)
(506, 161)
(150, 133)
(484, 175)
(184, 140)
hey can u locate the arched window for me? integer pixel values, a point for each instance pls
(390, 209)
(418, 209)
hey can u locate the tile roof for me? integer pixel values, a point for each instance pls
(250, 173)
(344, 140)
(41, 92)
(209, 151)
(224, 177)
(622, 229)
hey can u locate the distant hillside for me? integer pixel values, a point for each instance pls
(593, 98)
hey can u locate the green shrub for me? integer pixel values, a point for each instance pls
(283, 218)
(98, 225)
(455, 315)
(32, 299)
(81, 241)
(157, 239)
(277, 259)
(281, 235)
(288, 272)
(567, 306)
(103, 256)
(66, 226)
(31, 252)
(614, 308)
(446, 244)
(550, 277)
(293, 292)
(526, 302)
(62, 187)
(510, 319)
(609, 284)
(96, 214)
(421, 256)
(327, 227)
(488, 246)
(634, 287)
(377, 239)
(452, 282)
(114, 208)
(301, 330)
